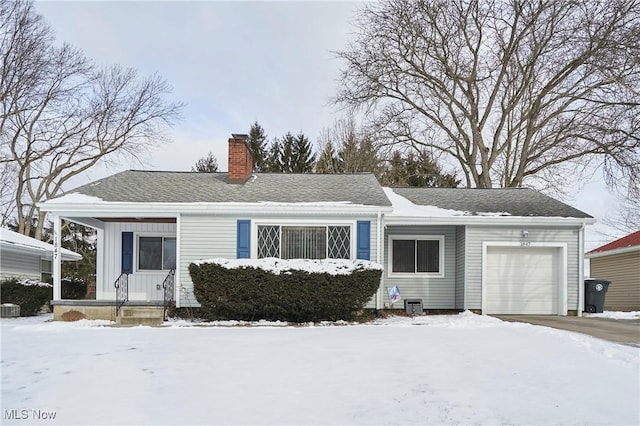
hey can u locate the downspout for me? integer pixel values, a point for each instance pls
(176, 277)
(379, 259)
(581, 270)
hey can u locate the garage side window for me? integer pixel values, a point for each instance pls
(417, 255)
(156, 253)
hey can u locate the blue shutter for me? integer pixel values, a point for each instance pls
(244, 239)
(127, 252)
(363, 248)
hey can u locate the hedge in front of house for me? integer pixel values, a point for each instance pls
(73, 288)
(251, 293)
(30, 297)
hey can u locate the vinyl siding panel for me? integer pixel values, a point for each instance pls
(460, 266)
(435, 292)
(209, 236)
(142, 284)
(203, 237)
(14, 264)
(476, 235)
(623, 270)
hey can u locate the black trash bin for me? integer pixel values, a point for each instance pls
(594, 293)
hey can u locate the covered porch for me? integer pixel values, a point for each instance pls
(135, 267)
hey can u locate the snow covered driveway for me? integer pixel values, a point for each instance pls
(465, 369)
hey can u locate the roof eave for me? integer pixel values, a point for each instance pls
(40, 251)
(612, 252)
(114, 209)
(487, 220)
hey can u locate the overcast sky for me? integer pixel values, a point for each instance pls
(234, 63)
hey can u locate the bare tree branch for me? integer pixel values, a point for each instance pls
(61, 115)
(515, 92)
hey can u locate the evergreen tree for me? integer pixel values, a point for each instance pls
(82, 240)
(421, 169)
(258, 147)
(328, 160)
(287, 154)
(354, 150)
(303, 157)
(273, 163)
(208, 164)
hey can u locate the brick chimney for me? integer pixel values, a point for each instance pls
(240, 159)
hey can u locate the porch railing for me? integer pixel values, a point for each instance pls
(168, 286)
(122, 291)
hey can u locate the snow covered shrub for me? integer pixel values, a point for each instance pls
(275, 289)
(73, 288)
(31, 295)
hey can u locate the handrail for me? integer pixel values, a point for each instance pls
(168, 286)
(122, 291)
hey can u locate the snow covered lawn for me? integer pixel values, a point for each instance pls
(465, 369)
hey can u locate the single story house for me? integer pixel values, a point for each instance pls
(619, 263)
(25, 257)
(509, 251)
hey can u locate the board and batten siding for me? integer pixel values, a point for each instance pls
(435, 292)
(214, 236)
(623, 271)
(142, 285)
(476, 235)
(460, 266)
(19, 265)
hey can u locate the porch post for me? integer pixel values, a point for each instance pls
(57, 258)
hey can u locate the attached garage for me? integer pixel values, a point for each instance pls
(524, 280)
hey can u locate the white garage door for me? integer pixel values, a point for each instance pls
(522, 280)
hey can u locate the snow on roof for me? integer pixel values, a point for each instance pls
(404, 207)
(631, 240)
(76, 197)
(9, 238)
(278, 266)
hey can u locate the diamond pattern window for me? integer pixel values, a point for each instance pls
(268, 241)
(304, 242)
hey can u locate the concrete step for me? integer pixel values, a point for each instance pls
(132, 321)
(141, 311)
(140, 315)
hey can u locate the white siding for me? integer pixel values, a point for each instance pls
(476, 235)
(209, 236)
(19, 265)
(142, 285)
(436, 293)
(203, 237)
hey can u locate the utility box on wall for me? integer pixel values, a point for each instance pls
(413, 306)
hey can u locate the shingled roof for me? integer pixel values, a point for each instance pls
(136, 186)
(502, 201)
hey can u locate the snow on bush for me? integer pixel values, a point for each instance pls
(285, 290)
(279, 266)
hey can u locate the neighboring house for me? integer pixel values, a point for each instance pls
(494, 251)
(25, 257)
(619, 263)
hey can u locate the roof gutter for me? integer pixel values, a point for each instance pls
(115, 209)
(487, 220)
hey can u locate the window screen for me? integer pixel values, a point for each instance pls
(416, 256)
